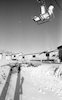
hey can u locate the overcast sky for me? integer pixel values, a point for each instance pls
(18, 32)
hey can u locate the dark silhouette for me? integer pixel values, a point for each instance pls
(60, 52)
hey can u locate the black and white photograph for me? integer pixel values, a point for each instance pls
(30, 49)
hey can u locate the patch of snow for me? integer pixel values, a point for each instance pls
(4, 71)
(12, 87)
(42, 78)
